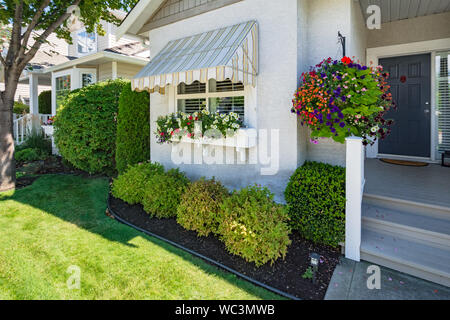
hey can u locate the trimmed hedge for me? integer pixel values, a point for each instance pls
(253, 226)
(133, 128)
(163, 193)
(199, 209)
(315, 197)
(20, 108)
(45, 102)
(130, 186)
(86, 126)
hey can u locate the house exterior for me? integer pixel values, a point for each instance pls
(55, 51)
(255, 51)
(89, 59)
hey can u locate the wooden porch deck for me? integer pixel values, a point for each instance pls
(429, 185)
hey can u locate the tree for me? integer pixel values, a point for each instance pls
(28, 25)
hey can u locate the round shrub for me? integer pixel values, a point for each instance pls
(315, 197)
(130, 186)
(20, 108)
(200, 206)
(133, 128)
(253, 226)
(163, 193)
(86, 127)
(45, 102)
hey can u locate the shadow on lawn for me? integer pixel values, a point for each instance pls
(82, 201)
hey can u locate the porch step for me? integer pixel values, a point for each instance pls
(406, 255)
(408, 206)
(420, 228)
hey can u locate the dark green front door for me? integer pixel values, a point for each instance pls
(410, 81)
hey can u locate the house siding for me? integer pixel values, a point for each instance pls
(126, 70)
(276, 83)
(426, 28)
(104, 71)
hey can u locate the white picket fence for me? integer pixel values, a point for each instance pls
(22, 126)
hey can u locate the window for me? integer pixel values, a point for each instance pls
(86, 42)
(443, 99)
(216, 96)
(62, 88)
(87, 78)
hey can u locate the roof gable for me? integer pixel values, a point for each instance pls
(151, 14)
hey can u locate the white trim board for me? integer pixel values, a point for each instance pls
(413, 48)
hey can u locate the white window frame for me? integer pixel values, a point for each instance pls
(79, 54)
(91, 71)
(207, 95)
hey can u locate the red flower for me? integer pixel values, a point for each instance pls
(346, 60)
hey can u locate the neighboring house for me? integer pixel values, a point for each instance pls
(55, 51)
(256, 50)
(90, 58)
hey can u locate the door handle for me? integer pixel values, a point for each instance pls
(426, 110)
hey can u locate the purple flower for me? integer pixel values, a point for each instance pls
(342, 124)
(333, 130)
(343, 98)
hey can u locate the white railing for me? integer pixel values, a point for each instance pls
(354, 188)
(44, 118)
(20, 129)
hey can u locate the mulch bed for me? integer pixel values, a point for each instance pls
(51, 165)
(284, 275)
(23, 182)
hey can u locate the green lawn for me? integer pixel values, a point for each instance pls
(60, 221)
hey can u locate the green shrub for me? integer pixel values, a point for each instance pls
(200, 206)
(315, 196)
(27, 155)
(163, 193)
(253, 226)
(20, 108)
(37, 140)
(86, 127)
(133, 128)
(45, 102)
(130, 186)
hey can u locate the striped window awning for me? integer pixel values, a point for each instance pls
(226, 53)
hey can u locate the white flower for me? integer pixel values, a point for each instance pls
(374, 129)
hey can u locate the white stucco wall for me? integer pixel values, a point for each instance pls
(320, 22)
(276, 83)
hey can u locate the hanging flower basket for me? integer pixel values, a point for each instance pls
(337, 99)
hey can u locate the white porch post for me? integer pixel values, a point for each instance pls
(114, 70)
(33, 87)
(35, 119)
(354, 186)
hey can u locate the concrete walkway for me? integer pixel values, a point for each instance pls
(349, 282)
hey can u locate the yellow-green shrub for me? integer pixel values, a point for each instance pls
(130, 186)
(200, 206)
(253, 226)
(163, 192)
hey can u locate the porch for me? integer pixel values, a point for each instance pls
(428, 185)
(405, 219)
